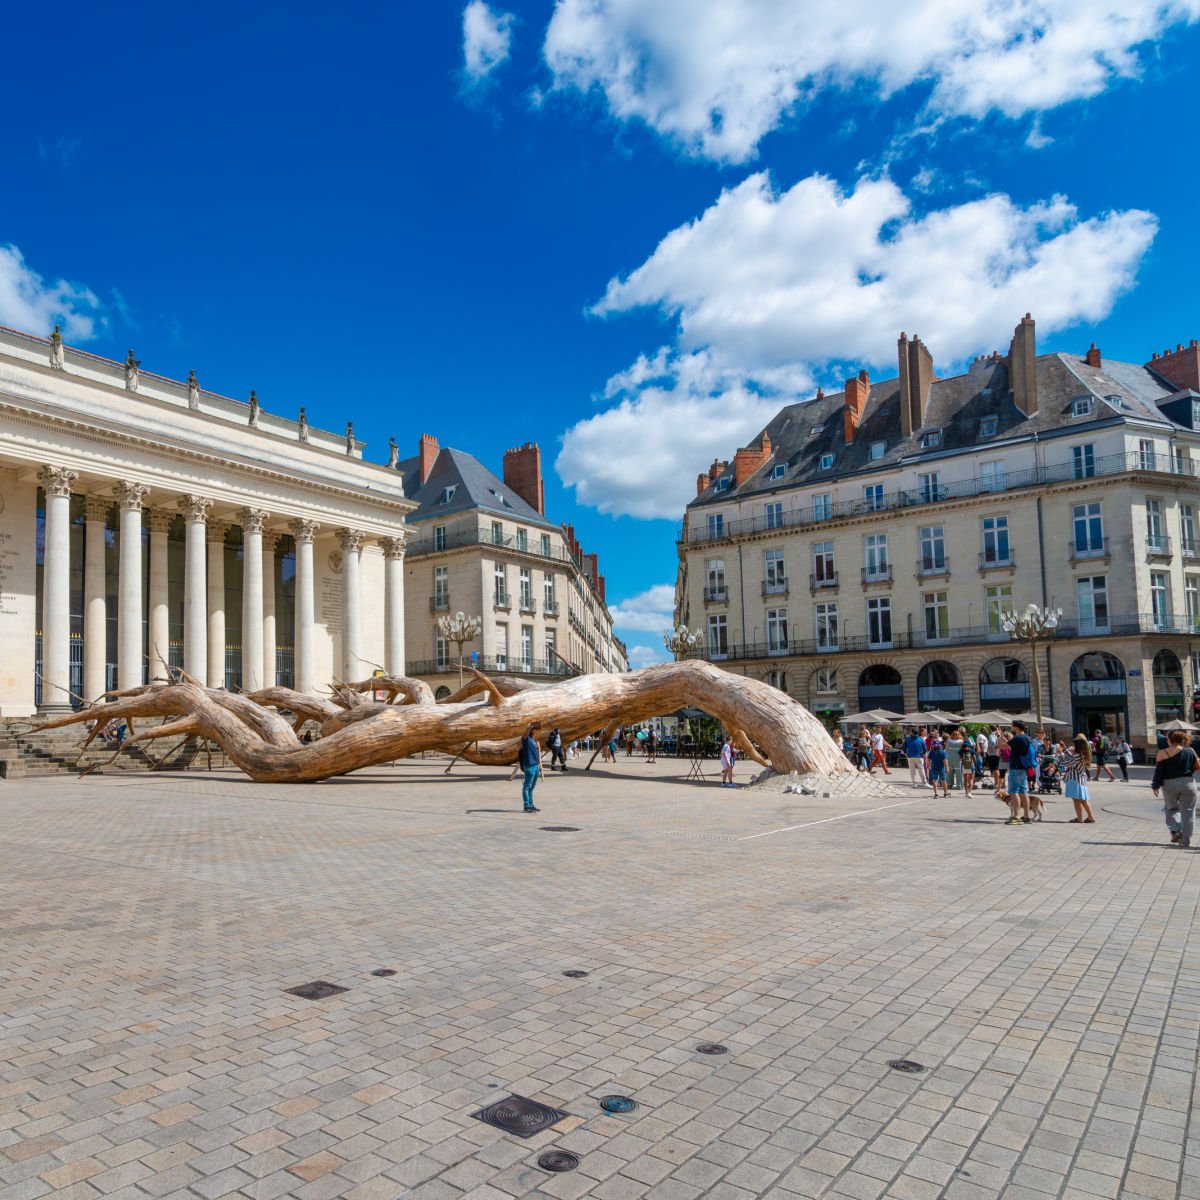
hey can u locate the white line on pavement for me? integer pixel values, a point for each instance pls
(825, 820)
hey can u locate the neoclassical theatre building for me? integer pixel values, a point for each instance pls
(146, 521)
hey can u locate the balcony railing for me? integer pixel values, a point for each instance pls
(716, 595)
(774, 587)
(1189, 549)
(511, 664)
(877, 574)
(1091, 548)
(828, 580)
(528, 604)
(1011, 481)
(502, 601)
(992, 560)
(455, 538)
(932, 566)
(550, 608)
(1158, 545)
(439, 603)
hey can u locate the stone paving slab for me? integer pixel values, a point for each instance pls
(1042, 975)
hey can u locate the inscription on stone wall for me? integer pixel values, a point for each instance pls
(331, 603)
(9, 559)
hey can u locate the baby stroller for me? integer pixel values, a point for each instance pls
(1051, 776)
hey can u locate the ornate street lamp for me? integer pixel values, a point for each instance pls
(460, 629)
(1032, 626)
(682, 641)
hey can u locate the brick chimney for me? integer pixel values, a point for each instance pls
(1180, 366)
(523, 475)
(1022, 366)
(716, 470)
(429, 452)
(916, 379)
(748, 459)
(701, 483)
(857, 391)
(600, 588)
(1092, 357)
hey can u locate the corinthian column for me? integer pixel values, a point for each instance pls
(56, 590)
(269, 542)
(252, 520)
(352, 667)
(95, 615)
(216, 603)
(129, 586)
(160, 623)
(195, 632)
(306, 631)
(393, 624)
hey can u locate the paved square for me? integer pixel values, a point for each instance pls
(1042, 974)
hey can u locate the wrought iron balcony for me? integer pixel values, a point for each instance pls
(828, 579)
(933, 565)
(992, 560)
(880, 573)
(774, 587)
(1088, 548)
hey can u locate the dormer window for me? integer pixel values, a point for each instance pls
(815, 430)
(448, 493)
(931, 439)
(1081, 406)
(723, 483)
(988, 426)
(826, 462)
(877, 449)
(778, 471)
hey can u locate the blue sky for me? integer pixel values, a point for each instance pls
(627, 229)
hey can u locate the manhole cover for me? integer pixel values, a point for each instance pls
(317, 990)
(618, 1104)
(576, 974)
(519, 1115)
(906, 1066)
(560, 828)
(558, 1160)
(712, 1048)
(384, 972)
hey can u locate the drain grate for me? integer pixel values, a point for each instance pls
(559, 828)
(317, 990)
(618, 1104)
(558, 1160)
(576, 974)
(712, 1048)
(519, 1115)
(384, 972)
(906, 1066)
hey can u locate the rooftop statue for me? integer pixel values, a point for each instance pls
(131, 372)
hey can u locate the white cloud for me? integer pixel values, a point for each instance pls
(487, 40)
(646, 656)
(716, 78)
(771, 290)
(29, 302)
(649, 612)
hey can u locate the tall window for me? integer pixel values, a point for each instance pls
(439, 537)
(1155, 540)
(774, 514)
(1091, 596)
(1088, 523)
(551, 648)
(1191, 597)
(879, 621)
(826, 681)
(875, 555)
(937, 616)
(501, 646)
(522, 539)
(501, 589)
(1146, 456)
(716, 525)
(929, 485)
(997, 601)
(822, 506)
(441, 587)
(545, 544)
(995, 540)
(827, 626)
(548, 594)
(992, 476)
(1083, 460)
(441, 651)
(718, 636)
(526, 589)
(774, 575)
(1160, 599)
(777, 633)
(873, 496)
(1187, 528)
(823, 570)
(933, 548)
(527, 647)
(715, 575)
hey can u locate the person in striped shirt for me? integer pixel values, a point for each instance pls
(1076, 769)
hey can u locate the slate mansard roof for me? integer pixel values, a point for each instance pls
(800, 434)
(475, 487)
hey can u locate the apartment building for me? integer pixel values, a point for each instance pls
(484, 546)
(862, 550)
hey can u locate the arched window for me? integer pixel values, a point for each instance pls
(1004, 684)
(778, 679)
(939, 685)
(880, 686)
(1168, 687)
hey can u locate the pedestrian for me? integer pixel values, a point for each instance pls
(992, 762)
(651, 745)
(1174, 771)
(555, 746)
(1076, 767)
(967, 761)
(935, 757)
(1124, 754)
(728, 757)
(629, 740)
(878, 745)
(530, 760)
(914, 752)
(1019, 751)
(1037, 806)
(1100, 754)
(864, 751)
(954, 746)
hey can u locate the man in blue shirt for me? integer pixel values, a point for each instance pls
(1020, 760)
(530, 759)
(914, 751)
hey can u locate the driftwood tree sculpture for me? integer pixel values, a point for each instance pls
(482, 723)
